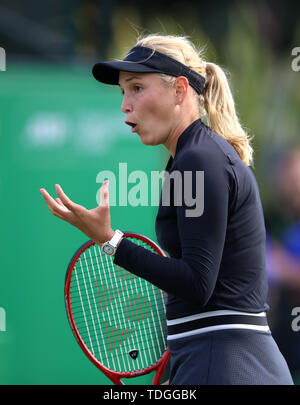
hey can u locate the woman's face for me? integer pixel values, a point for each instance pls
(149, 105)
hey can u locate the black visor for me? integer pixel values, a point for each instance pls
(146, 60)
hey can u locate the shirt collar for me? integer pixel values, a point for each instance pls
(185, 139)
(187, 136)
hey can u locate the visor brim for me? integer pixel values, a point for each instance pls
(108, 72)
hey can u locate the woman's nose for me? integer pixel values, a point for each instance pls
(126, 105)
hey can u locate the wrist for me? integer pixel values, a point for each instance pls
(110, 235)
(110, 246)
(107, 237)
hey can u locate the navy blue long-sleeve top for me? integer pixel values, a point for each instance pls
(216, 248)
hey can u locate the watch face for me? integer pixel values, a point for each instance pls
(109, 250)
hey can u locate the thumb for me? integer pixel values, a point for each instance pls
(104, 194)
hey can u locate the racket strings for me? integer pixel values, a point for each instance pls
(137, 307)
(113, 321)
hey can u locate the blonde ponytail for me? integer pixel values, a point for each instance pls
(216, 104)
(221, 114)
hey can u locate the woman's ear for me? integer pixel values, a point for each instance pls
(181, 88)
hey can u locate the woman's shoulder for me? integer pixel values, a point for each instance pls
(206, 151)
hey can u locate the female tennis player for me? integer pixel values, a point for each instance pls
(215, 273)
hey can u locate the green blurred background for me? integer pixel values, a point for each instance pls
(58, 125)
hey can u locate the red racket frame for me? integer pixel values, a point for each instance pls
(114, 376)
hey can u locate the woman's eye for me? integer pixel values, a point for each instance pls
(136, 88)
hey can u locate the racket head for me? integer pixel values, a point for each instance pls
(117, 318)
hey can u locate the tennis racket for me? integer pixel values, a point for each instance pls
(117, 318)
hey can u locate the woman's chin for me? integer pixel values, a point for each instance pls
(148, 140)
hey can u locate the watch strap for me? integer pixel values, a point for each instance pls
(116, 238)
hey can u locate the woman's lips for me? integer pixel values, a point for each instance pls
(132, 125)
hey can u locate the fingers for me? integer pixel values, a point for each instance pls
(64, 199)
(59, 201)
(93, 223)
(61, 204)
(56, 208)
(104, 194)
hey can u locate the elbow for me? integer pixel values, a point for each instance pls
(199, 294)
(202, 289)
(198, 286)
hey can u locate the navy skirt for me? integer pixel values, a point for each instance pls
(228, 357)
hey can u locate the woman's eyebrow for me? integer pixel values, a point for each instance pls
(130, 78)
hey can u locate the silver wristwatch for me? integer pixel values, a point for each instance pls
(110, 246)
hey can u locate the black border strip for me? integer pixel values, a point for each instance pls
(217, 320)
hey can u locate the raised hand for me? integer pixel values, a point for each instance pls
(94, 223)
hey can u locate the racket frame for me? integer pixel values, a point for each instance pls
(114, 376)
